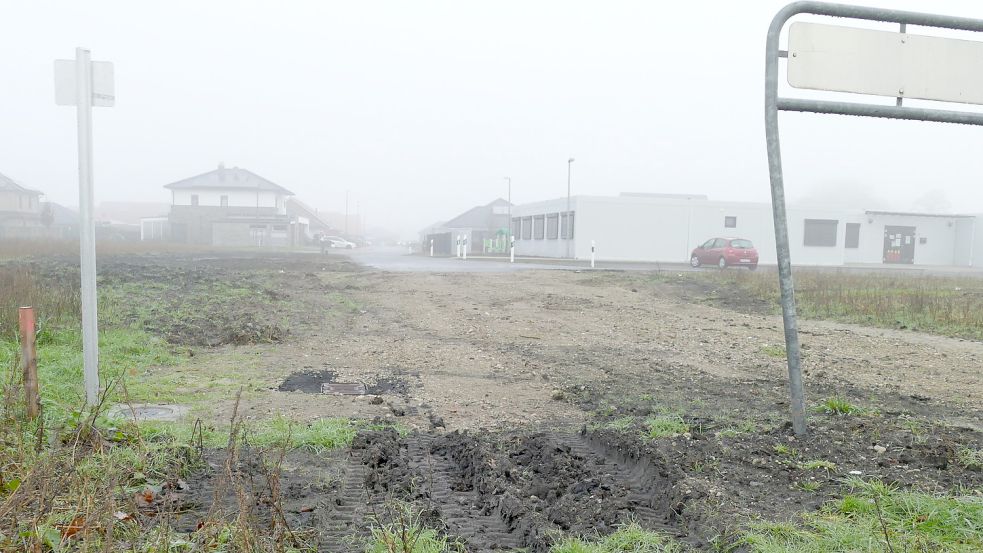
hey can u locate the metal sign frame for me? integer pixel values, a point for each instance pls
(774, 104)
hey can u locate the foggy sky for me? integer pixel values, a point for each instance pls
(422, 108)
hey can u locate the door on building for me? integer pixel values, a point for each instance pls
(899, 245)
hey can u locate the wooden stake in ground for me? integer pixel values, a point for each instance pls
(29, 360)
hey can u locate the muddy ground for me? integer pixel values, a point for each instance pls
(522, 396)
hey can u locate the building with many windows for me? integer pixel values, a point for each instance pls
(667, 227)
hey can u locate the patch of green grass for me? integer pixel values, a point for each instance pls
(747, 426)
(785, 450)
(400, 530)
(629, 538)
(918, 429)
(837, 406)
(970, 458)
(665, 426)
(123, 353)
(778, 352)
(810, 486)
(622, 424)
(316, 436)
(912, 521)
(817, 464)
(706, 465)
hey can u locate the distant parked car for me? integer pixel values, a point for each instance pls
(724, 252)
(338, 242)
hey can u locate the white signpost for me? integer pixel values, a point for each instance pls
(83, 83)
(512, 249)
(885, 63)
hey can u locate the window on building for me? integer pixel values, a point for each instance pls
(194, 199)
(224, 201)
(567, 224)
(552, 224)
(852, 237)
(820, 232)
(922, 240)
(527, 228)
(730, 221)
(517, 228)
(538, 226)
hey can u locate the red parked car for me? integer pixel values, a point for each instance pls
(725, 251)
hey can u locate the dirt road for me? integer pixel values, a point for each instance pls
(492, 350)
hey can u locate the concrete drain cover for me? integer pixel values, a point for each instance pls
(149, 412)
(343, 388)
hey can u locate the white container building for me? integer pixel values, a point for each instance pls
(667, 227)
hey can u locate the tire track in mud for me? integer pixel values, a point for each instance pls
(461, 511)
(341, 523)
(503, 491)
(651, 489)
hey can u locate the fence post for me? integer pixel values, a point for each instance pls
(465, 247)
(512, 249)
(431, 247)
(29, 360)
(591, 254)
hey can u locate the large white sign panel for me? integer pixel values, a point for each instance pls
(885, 63)
(103, 89)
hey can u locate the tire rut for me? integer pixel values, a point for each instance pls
(650, 491)
(461, 511)
(342, 522)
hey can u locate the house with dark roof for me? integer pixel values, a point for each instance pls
(484, 227)
(20, 210)
(226, 207)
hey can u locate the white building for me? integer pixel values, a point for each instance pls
(227, 207)
(667, 227)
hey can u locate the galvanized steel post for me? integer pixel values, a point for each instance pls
(773, 104)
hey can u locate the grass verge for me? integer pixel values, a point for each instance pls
(875, 517)
(630, 538)
(949, 306)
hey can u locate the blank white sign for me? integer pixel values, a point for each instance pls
(103, 87)
(885, 63)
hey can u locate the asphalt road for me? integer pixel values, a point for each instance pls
(400, 260)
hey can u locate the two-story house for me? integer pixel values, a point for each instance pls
(226, 207)
(20, 210)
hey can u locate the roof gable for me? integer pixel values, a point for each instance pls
(7, 183)
(477, 217)
(234, 178)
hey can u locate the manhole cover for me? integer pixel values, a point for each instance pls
(149, 412)
(343, 388)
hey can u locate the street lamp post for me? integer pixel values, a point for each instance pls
(509, 225)
(566, 228)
